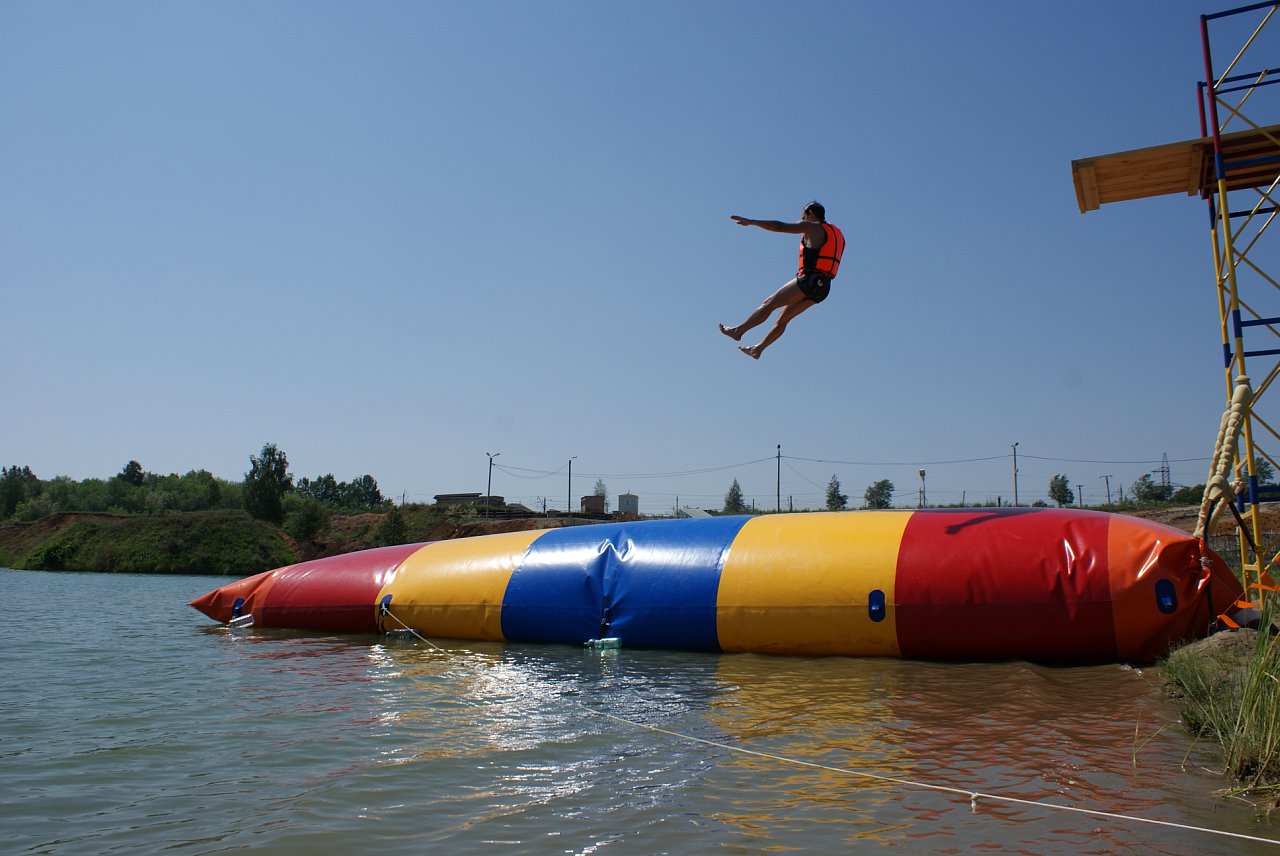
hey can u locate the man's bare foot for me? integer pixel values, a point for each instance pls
(752, 351)
(731, 332)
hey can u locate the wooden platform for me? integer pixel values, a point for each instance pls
(1185, 167)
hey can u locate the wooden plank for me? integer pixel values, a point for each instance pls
(1086, 186)
(1195, 170)
(1182, 167)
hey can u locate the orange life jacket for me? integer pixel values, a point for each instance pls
(824, 259)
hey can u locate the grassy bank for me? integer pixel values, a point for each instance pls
(1228, 689)
(210, 542)
(228, 542)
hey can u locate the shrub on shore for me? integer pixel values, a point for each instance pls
(1228, 690)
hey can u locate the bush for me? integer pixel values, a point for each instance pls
(34, 509)
(391, 530)
(305, 519)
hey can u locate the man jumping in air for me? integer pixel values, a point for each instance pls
(821, 246)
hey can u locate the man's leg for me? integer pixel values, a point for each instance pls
(784, 296)
(779, 327)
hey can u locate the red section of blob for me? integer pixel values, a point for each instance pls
(981, 584)
(337, 594)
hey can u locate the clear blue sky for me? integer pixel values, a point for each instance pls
(391, 237)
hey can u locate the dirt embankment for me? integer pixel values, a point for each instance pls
(230, 542)
(446, 530)
(1184, 517)
(350, 532)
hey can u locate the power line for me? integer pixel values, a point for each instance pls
(702, 471)
(532, 473)
(894, 463)
(1164, 460)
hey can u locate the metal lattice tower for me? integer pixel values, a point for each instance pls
(1235, 167)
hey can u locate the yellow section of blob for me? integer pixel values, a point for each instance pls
(454, 589)
(801, 584)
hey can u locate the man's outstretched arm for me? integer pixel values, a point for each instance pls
(813, 230)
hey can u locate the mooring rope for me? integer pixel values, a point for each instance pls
(973, 796)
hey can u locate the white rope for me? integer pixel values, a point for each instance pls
(910, 783)
(972, 795)
(1217, 487)
(387, 612)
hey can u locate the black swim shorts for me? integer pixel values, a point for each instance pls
(814, 286)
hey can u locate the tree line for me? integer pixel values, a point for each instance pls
(267, 492)
(877, 495)
(1146, 490)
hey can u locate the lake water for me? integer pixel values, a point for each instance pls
(130, 723)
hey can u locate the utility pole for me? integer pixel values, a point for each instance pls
(488, 491)
(1015, 474)
(778, 507)
(568, 500)
(923, 501)
(1107, 479)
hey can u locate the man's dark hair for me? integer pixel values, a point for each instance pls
(816, 207)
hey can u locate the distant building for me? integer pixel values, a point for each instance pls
(628, 503)
(593, 504)
(469, 499)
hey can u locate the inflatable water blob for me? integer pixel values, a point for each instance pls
(1045, 585)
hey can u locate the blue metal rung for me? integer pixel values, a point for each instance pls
(1258, 82)
(1213, 16)
(1259, 494)
(1250, 213)
(1258, 322)
(1238, 164)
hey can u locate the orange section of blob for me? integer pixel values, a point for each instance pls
(1142, 554)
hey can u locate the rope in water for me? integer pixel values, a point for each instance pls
(973, 796)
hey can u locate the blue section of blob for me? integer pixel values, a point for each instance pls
(651, 583)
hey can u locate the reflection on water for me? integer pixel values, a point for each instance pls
(1086, 737)
(130, 735)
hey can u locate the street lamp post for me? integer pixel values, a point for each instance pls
(1015, 474)
(488, 491)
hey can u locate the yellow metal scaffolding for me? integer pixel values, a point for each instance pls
(1235, 167)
